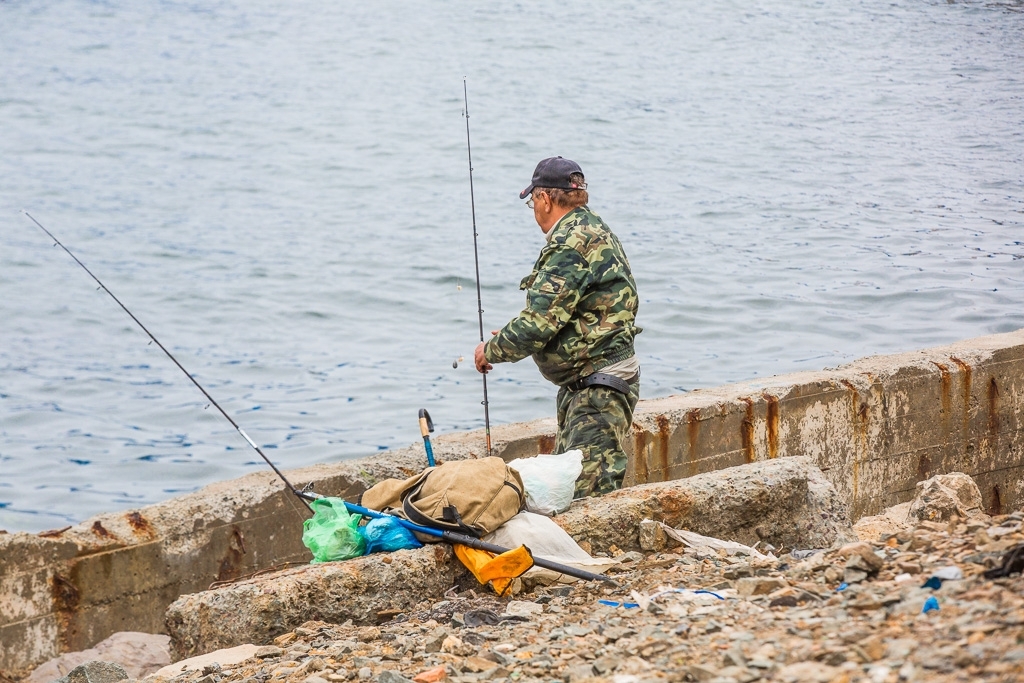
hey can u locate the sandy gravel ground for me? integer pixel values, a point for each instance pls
(850, 614)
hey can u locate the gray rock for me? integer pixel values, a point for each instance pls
(700, 673)
(579, 672)
(652, 536)
(734, 657)
(433, 641)
(861, 556)
(97, 672)
(631, 556)
(785, 502)
(759, 585)
(605, 665)
(388, 676)
(853, 575)
(945, 495)
(808, 672)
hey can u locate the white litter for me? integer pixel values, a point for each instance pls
(699, 542)
(550, 480)
(950, 573)
(546, 539)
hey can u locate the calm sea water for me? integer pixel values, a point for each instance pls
(279, 191)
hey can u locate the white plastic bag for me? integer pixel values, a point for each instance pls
(546, 539)
(550, 480)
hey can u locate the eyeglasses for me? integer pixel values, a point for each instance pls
(530, 201)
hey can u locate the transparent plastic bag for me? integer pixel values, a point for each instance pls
(386, 534)
(332, 533)
(550, 480)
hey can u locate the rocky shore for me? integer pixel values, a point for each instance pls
(878, 611)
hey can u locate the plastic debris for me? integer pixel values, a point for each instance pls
(950, 573)
(550, 480)
(695, 540)
(843, 586)
(935, 583)
(612, 603)
(642, 601)
(332, 534)
(700, 591)
(386, 534)
(930, 605)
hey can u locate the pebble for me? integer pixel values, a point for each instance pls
(778, 620)
(520, 608)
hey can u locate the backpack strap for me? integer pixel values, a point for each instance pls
(451, 514)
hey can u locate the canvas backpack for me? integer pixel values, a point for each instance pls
(472, 497)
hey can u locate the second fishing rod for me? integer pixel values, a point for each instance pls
(476, 262)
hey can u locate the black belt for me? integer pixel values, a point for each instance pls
(602, 379)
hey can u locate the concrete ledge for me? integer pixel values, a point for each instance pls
(787, 503)
(120, 571)
(875, 427)
(259, 609)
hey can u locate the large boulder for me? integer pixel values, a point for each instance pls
(140, 654)
(365, 589)
(944, 496)
(786, 502)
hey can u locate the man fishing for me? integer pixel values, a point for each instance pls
(578, 324)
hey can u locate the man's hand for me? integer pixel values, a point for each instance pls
(480, 359)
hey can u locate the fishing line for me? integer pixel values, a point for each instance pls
(304, 495)
(476, 261)
(156, 341)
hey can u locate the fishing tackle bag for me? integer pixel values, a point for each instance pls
(472, 497)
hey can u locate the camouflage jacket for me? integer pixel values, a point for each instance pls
(581, 304)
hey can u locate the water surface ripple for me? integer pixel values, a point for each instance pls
(279, 191)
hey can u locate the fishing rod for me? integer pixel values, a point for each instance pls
(454, 538)
(449, 537)
(171, 356)
(476, 260)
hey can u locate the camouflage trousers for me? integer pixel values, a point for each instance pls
(596, 420)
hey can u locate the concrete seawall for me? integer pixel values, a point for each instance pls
(875, 426)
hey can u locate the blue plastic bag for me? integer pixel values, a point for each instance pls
(385, 534)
